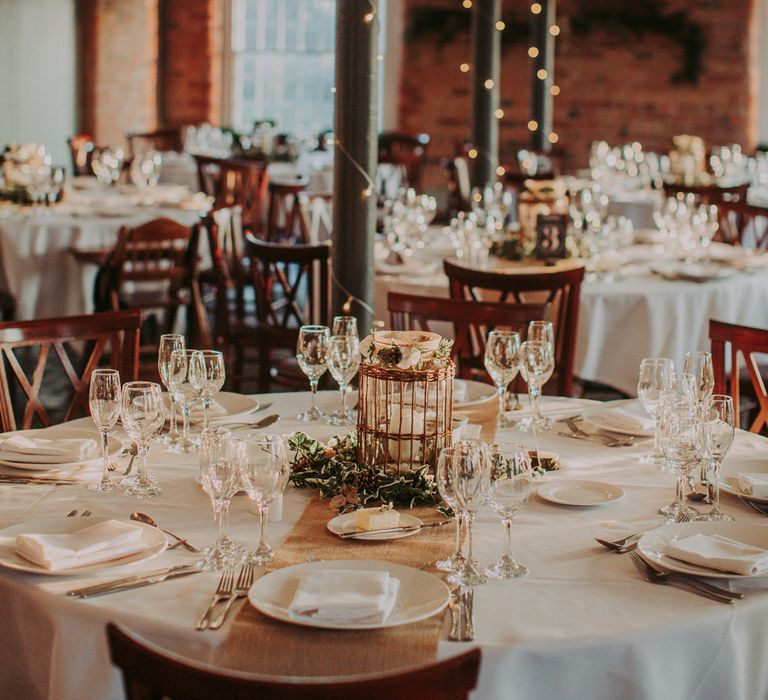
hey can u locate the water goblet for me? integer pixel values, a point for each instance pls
(537, 362)
(698, 383)
(718, 419)
(502, 362)
(471, 479)
(511, 485)
(444, 481)
(168, 343)
(343, 363)
(264, 472)
(104, 402)
(312, 352)
(655, 388)
(184, 392)
(207, 375)
(344, 325)
(142, 415)
(682, 442)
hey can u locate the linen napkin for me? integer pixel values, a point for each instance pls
(30, 450)
(345, 596)
(104, 541)
(215, 411)
(630, 417)
(754, 484)
(719, 553)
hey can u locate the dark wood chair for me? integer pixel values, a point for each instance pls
(709, 194)
(82, 149)
(740, 343)
(559, 286)
(234, 182)
(472, 320)
(292, 289)
(284, 219)
(459, 184)
(150, 672)
(743, 224)
(406, 150)
(29, 350)
(170, 138)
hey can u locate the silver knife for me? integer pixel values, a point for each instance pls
(51, 481)
(131, 581)
(402, 528)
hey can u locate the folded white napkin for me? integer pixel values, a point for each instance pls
(29, 450)
(345, 596)
(631, 417)
(754, 484)
(719, 553)
(216, 410)
(105, 541)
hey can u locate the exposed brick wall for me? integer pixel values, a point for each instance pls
(611, 88)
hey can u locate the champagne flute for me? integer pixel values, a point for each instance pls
(311, 352)
(718, 417)
(343, 363)
(207, 375)
(544, 332)
(444, 480)
(682, 442)
(502, 362)
(168, 343)
(511, 485)
(536, 367)
(655, 387)
(344, 325)
(104, 402)
(184, 391)
(142, 415)
(698, 383)
(264, 472)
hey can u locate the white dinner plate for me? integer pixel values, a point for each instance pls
(151, 536)
(235, 405)
(691, 272)
(597, 416)
(577, 492)
(732, 467)
(652, 543)
(421, 594)
(60, 432)
(477, 392)
(344, 523)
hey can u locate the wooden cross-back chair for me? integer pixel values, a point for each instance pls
(710, 194)
(152, 673)
(292, 288)
(406, 150)
(743, 224)
(317, 216)
(29, 350)
(284, 219)
(234, 182)
(168, 138)
(737, 343)
(472, 321)
(559, 286)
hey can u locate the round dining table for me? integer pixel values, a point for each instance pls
(582, 624)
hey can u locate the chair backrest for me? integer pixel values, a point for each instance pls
(561, 287)
(29, 350)
(459, 183)
(743, 224)
(745, 343)
(317, 216)
(82, 149)
(472, 321)
(151, 672)
(236, 182)
(166, 139)
(284, 219)
(711, 194)
(407, 150)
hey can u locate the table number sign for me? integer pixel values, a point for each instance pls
(550, 235)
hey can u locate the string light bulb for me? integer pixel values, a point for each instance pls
(464, 67)
(542, 74)
(367, 192)
(467, 4)
(333, 89)
(368, 18)
(346, 307)
(533, 125)
(500, 25)
(488, 84)
(536, 8)
(554, 30)
(500, 171)
(553, 137)
(499, 113)
(555, 90)
(472, 153)
(533, 52)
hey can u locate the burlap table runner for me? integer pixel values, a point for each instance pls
(262, 645)
(485, 414)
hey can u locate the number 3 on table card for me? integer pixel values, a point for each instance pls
(550, 235)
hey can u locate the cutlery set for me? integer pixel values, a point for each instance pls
(461, 609)
(388, 530)
(227, 592)
(602, 437)
(628, 543)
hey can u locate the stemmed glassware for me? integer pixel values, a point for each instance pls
(168, 343)
(471, 479)
(511, 485)
(718, 418)
(180, 382)
(502, 361)
(264, 472)
(655, 388)
(698, 383)
(537, 362)
(312, 354)
(344, 325)
(104, 402)
(343, 363)
(142, 415)
(207, 374)
(444, 480)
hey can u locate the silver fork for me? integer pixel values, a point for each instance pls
(85, 513)
(244, 582)
(72, 513)
(455, 609)
(622, 545)
(596, 437)
(467, 600)
(223, 591)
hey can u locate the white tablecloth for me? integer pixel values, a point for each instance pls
(582, 624)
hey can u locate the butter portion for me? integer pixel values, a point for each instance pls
(379, 518)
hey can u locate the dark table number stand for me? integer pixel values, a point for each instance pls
(550, 236)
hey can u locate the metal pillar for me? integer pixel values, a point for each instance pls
(541, 88)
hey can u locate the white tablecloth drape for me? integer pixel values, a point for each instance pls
(581, 625)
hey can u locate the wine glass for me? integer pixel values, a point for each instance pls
(184, 391)
(168, 343)
(343, 363)
(502, 362)
(718, 418)
(471, 478)
(511, 485)
(104, 402)
(682, 442)
(536, 366)
(655, 387)
(264, 472)
(220, 479)
(344, 325)
(698, 383)
(207, 375)
(142, 415)
(311, 352)
(444, 480)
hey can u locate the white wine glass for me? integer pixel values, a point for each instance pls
(698, 384)
(682, 442)
(168, 343)
(537, 362)
(444, 481)
(104, 401)
(142, 414)
(184, 392)
(719, 430)
(344, 325)
(343, 364)
(655, 389)
(207, 375)
(312, 355)
(502, 362)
